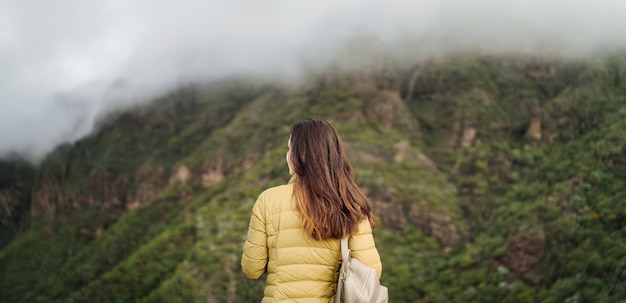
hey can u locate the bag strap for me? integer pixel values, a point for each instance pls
(345, 251)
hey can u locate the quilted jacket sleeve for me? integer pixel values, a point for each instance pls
(363, 248)
(255, 255)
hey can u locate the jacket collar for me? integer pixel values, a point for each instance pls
(293, 179)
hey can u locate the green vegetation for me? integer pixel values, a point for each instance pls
(495, 179)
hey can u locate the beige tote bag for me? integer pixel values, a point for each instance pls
(357, 282)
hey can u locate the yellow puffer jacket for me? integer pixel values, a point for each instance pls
(300, 269)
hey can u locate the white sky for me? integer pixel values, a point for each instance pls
(59, 59)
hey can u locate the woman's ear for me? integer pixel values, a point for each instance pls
(289, 157)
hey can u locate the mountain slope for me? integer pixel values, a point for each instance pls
(496, 179)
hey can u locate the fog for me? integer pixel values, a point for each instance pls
(63, 63)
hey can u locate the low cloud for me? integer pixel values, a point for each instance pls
(64, 62)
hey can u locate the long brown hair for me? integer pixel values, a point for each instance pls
(331, 202)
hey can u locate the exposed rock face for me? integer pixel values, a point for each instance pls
(533, 134)
(181, 175)
(11, 202)
(541, 71)
(213, 174)
(389, 210)
(16, 181)
(469, 134)
(359, 155)
(211, 177)
(534, 130)
(437, 224)
(100, 190)
(149, 181)
(388, 108)
(523, 256)
(394, 214)
(45, 198)
(404, 152)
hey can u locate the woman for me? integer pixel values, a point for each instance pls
(295, 229)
